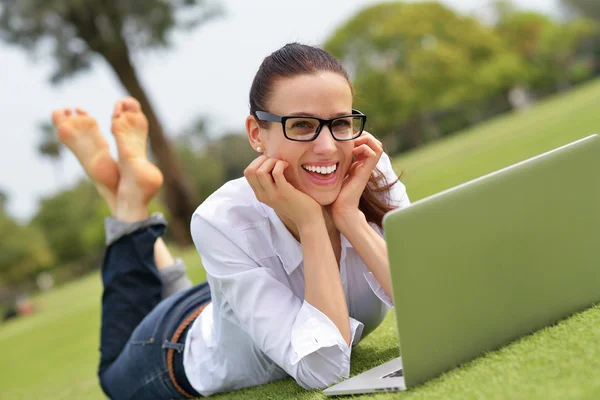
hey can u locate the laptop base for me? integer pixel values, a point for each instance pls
(384, 378)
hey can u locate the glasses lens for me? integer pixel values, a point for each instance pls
(301, 128)
(346, 128)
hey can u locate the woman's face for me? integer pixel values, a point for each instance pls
(323, 95)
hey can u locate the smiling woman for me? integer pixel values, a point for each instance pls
(295, 259)
(296, 264)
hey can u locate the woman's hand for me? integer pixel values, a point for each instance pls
(265, 176)
(367, 152)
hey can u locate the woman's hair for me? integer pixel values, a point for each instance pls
(295, 59)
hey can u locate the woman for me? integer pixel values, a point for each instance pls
(296, 265)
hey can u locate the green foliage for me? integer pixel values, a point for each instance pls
(73, 223)
(49, 145)
(210, 163)
(3, 200)
(24, 251)
(410, 60)
(76, 30)
(587, 8)
(549, 49)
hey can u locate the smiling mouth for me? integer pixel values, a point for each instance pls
(322, 170)
(322, 175)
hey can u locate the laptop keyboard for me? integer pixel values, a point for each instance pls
(396, 374)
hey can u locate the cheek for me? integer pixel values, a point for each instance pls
(290, 176)
(348, 156)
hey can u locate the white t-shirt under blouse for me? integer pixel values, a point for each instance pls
(258, 327)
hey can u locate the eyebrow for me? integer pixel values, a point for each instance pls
(306, 114)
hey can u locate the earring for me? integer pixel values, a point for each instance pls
(259, 149)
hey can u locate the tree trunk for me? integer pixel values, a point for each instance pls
(176, 193)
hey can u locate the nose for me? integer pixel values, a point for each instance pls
(325, 144)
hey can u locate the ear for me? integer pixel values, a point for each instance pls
(253, 130)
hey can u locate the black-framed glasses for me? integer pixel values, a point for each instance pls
(306, 128)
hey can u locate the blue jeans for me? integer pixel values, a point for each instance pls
(137, 324)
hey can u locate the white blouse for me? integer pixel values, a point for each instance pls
(258, 327)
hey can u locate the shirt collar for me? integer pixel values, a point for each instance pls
(287, 248)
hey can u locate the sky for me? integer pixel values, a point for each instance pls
(207, 72)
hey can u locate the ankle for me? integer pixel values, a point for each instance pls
(131, 212)
(109, 197)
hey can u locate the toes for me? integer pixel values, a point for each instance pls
(60, 115)
(131, 104)
(127, 104)
(118, 109)
(80, 111)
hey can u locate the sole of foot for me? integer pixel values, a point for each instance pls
(80, 133)
(140, 179)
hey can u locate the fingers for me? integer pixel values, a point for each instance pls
(264, 176)
(251, 174)
(278, 176)
(371, 141)
(364, 151)
(368, 150)
(367, 153)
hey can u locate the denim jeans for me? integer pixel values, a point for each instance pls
(137, 324)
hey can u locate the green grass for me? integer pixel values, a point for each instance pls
(53, 354)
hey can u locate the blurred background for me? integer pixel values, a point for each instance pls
(454, 89)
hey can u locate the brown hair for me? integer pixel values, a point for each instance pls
(297, 59)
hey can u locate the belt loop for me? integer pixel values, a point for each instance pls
(175, 346)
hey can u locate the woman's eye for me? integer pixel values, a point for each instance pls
(341, 123)
(303, 124)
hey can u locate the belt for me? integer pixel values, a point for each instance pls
(171, 351)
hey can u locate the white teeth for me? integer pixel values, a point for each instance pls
(321, 170)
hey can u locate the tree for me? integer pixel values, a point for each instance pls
(3, 200)
(220, 159)
(24, 250)
(50, 147)
(73, 223)
(587, 8)
(410, 61)
(548, 49)
(82, 31)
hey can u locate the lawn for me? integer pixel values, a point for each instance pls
(53, 354)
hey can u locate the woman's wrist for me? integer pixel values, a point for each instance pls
(349, 220)
(310, 223)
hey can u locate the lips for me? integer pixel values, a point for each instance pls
(321, 169)
(322, 174)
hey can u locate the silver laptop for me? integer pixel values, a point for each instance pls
(475, 267)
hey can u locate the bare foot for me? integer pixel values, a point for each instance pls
(140, 179)
(80, 133)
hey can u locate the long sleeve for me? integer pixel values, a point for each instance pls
(397, 194)
(295, 335)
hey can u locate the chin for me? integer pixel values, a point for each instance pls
(324, 199)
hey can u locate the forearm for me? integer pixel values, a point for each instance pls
(370, 246)
(323, 285)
